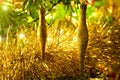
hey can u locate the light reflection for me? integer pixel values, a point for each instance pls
(74, 21)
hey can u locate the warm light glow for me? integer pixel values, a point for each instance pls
(61, 31)
(48, 16)
(116, 31)
(74, 21)
(21, 35)
(108, 41)
(94, 56)
(48, 39)
(110, 9)
(5, 8)
(94, 14)
(109, 31)
(98, 30)
(75, 39)
(74, 14)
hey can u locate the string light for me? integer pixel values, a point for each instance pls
(21, 35)
(48, 39)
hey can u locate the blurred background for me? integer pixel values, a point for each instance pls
(19, 44)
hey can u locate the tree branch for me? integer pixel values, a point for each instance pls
(48, 10)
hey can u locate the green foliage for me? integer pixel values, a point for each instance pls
(49, 18)
(60, 12)
(5, 17)
(89, 11)
(62, 8)
(10, 17)
(99, 3)
(32, 7)
(19, 18)
(4, 14)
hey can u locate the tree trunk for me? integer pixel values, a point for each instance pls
(82, 36)
(42, 31)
